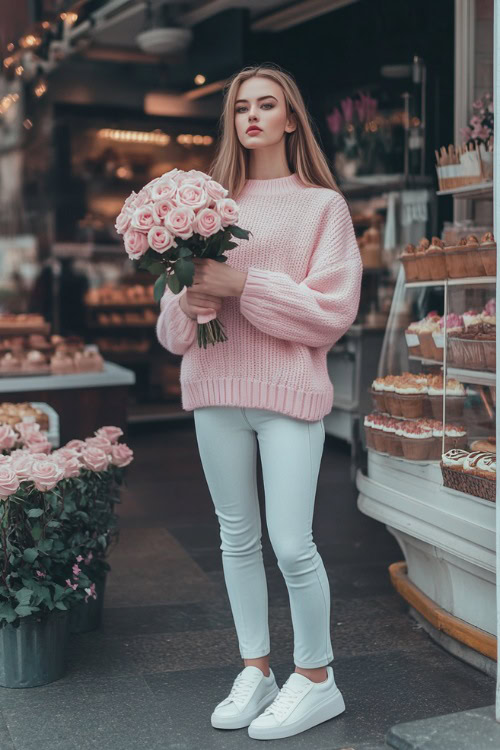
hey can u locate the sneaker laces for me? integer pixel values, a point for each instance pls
(241, 687)
(283, 701)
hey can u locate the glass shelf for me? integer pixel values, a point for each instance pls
(481, 190)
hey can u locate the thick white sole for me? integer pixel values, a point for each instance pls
(243, 720)
(327, 709)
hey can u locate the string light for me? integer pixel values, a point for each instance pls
(30, 41)
(7, 101)
(40, 89)
(198, 140)
(28, 124)
(156, 137)
(19, 70)
(199, 79)
(8, 62)
(10, 47)
(46, 25)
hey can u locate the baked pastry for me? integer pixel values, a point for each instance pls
(484, 444)
(488, 250)
(409, 260)
(417, 441)
(435, 259)
(423, 266)
(455, 259)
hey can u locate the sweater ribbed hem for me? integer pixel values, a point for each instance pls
(308, 405)
(274, 186)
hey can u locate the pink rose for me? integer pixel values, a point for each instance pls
(165, 188)
(39, 445)
(215, 190)
(29, 431)
(161, 209)
(38, 456)
(136, 243)
(228, 211)
(160, 240)
(122, 222)
(142, 197)
(5, 459)
(46, 474)
(9, 482)
(8, 437)
(130, 200)
(207, 222)
(77, 445)
(99, 441)
(143, 218)
(180, 221)
(22, 466)
(192, 196)
(121, 455)
(110, 432)
(72, 468)
(67, 453)
(95, 459)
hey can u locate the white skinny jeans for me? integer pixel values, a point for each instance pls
(291, 450)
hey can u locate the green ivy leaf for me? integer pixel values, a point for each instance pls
(241, 234)
(30, 554)
(60, 605)
(23, 610)
(24, 595)
(35, 512)
(160, 284)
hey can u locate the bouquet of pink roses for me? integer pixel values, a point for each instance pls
(173, 219)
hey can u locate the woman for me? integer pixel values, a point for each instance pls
(285, 297)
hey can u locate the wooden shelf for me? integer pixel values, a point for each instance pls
(480, 190)
(467, 280)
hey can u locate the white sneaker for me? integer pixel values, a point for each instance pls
(251, 693)
(300, 704)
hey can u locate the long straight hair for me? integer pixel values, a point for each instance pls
(304, 156)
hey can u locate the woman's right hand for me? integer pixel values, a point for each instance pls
(195, 303)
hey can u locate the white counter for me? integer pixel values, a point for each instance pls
(111, 375)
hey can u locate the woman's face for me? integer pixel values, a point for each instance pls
(260, 102)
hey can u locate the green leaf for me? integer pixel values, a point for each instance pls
(24, 610)
(35, 512)
(174, 283)
(184, 270)
(7, 612)
(156, 269)
(61, 605)
(24, 595)
(45, 545)
(36, 531)
(30, 554)
(241, 234)
(184, 252)
(221, 259)
(160, 284)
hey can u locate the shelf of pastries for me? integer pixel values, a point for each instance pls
(471, 342)
(54, 356)
(117, 297)
(22, 324)
(12, 414)
(146, 318)
(413, 396)
(434, 261)
(412, 439)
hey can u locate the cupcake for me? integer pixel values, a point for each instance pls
(392, 402)
(62, 364)
(435, 259)
(488, 250)
(455, 436)
(412, 340)
(378, 432)
(455, 397)
(423, 266)
(427, 327)
(488, 315)
(411, 396)
(368, 426)
(473, 259)
(378, 394)
(393, 438)
(10, 363)
(409, 260)
(471, 318)
(34, 360)
(417, 441)
(455, 259)
(454, 324)
(437, 437)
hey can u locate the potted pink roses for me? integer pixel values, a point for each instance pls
(173, 219)
(56, 524)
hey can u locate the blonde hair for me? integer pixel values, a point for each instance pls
(304, 156)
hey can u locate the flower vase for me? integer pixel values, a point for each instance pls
(87, 616)
(33, 653)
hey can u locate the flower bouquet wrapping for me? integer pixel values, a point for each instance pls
(173, 219)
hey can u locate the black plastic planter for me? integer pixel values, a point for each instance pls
(34, 653)
(87, 616)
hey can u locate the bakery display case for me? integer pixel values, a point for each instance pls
(431, 442)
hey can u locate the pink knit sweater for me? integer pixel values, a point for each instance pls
(301, 295)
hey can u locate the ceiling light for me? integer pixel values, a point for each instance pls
(165, 41)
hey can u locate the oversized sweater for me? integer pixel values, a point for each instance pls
(300, 296)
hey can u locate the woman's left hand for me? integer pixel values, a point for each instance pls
(220, 279)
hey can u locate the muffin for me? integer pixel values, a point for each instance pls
(411, 397)
(488, 250)
(412, 340)
(34, 361)
(454, 324)
(378, 394)
(473, 260)
(378, 433)
(417, 441)
(427, 327)
(368, 427)
(423, 265)
(455, 397)
(455, 259)
(409, 261)
(435, 259)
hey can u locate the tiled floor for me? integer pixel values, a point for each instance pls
(166, 653)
